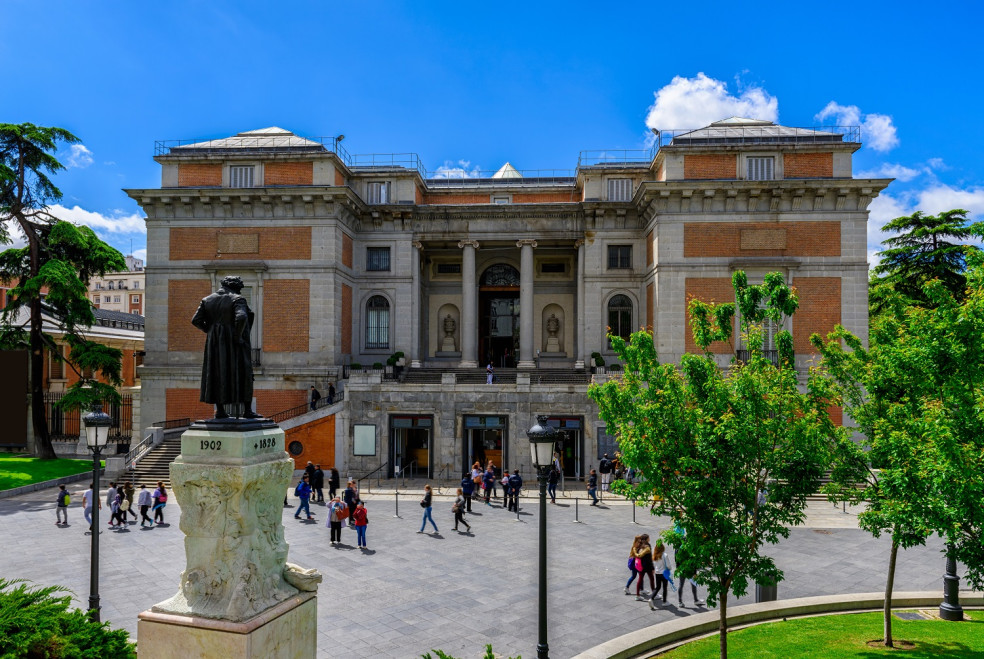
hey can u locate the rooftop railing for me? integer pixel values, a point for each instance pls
(616, 157)
(772, 134)
(364, 161)
(461, 178)
(254, 144)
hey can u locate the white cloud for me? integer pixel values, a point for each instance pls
(117, 222)
(78, 157)
(937, 164)
(140, 254)
(941, 197)
(877, 130)
(697, 102)
(892, 170)
(457, 170)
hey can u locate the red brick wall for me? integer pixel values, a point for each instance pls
(819, 309)
(288, 173)
(199, 175)
(183, 296)
(418, 195)
(725, 238)
(339, 178)
(346, 319)
(286, 315)
(346, 250)
(318, 441)
(184, 403)
(710, 166)
(272, 401)
(709, 289)
(272, 244)
(650, 307)
(808, 165)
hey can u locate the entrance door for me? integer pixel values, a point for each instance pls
(410, 440)
(570, 445)
(485, 439)
(499, 328)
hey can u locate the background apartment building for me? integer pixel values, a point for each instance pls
(353, 259)
(120, 291)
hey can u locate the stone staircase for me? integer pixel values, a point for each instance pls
(502, 375)
(155, 465)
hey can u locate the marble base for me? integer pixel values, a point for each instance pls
(288, 630)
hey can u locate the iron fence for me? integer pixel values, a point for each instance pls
(66, 425)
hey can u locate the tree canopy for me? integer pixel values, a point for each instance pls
(51, 273)
(729, 455)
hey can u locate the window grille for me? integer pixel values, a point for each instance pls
(619, 189)
(619, 256)
(378, 258)
(449, 268)
(377, 323)
(241, 176)
(378, 193)
(760, 169)
(620, 316)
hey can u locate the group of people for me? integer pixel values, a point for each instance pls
(341, 509)
(481, 482)
(316, 396)
(653, 561)
(119, 501)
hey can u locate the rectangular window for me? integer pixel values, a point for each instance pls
(760, 169)
(619, 189)
(134, 299)
(378, 193)
(112, 285)
(619, 257)
(377, 258)
(116, 298)
(241, 176)
(553, 268)
(449, 268)
(136, 285)
(500, 199)
(57, 365)
(98, 286)
(95, 299)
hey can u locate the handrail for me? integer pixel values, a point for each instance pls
(170, 424)
(369, 475)
(137, 452)
(403, 471)
(298, 410)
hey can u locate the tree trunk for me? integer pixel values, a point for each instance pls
(42, 440)
(723, 626)
(888, 594)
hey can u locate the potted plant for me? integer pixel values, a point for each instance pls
(599, 362)
(377, 366)
(355, 366)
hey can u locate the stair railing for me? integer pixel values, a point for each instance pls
(137, 452)
(402, 472)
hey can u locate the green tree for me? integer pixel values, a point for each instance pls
(916, 395)
(924, 249)
(729, 455)
(51, 272)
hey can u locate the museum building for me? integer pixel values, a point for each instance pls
(351, 260)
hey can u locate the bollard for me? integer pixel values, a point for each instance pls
(576, 520)
(845, 506)
(517, 509)
(397, 504)
(633, 513)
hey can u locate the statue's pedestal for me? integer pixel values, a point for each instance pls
(285, 631)
(238, 597)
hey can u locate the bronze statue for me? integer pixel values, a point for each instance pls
(227, 370)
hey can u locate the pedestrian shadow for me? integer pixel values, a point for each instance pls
(468, 533)
(163, 524)
(146, 528)
(342, 545)
(306, 521)
(562, 505)
(435, 534)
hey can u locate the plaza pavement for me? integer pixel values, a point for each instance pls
(411, 593)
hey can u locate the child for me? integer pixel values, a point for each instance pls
(64, 498)
(361, 521)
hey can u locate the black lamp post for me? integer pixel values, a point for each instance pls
(543, 439)
(97, 425)
(950, 609)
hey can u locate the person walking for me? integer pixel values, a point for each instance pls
(88, 497)
(644, 565)
(685, 577)
(351, 497)
(632, 564)
(505, 487)
(467, 489)
(593, 486)
(458, 508)
(318, 483)
(61, 510)
(122, 506)
(605, 467)
(144, 500)
(111, 503)
(361, 518)
(303, 492)
(515, 485)
(488, 482)
(114, 507)
(489, 373)
(426, 503)
(160, 500)
(334, 481)
(309, 472)
(128, 493)
(552, 479)
(336, 514)
(331, 393)
(661, 565)
(315, 397)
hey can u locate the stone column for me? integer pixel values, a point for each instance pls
(469, 305)
(580, 356)
(526, 303)
(415, 304)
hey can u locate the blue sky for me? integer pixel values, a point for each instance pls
(473, 85)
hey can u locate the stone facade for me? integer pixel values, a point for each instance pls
(351, 260)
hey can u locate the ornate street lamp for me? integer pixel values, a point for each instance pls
(950, 609)
(543, 439)
(97, 425)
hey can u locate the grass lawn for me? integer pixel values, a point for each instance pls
(845, 636)
(18, 470)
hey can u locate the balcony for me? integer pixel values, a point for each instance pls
(771, 355)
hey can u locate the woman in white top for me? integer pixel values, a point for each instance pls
(662, 568)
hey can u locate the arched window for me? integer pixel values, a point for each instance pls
(377, 323)
(620, 316)
(500, 274)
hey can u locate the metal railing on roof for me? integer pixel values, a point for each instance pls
(253, 144)
(368, 161)
(461, 178)
(616, 157)
(771, 134)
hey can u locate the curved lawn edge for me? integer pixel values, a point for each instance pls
(55, 482)
(667, 634)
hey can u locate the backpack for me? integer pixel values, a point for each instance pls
(125, 504)
(66, 498)
(162, 498)
(297, 490)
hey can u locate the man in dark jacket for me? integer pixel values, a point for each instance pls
(605, 467)
(467, 490)
(318, 483)
(350, 498)
(315, 397)
(515, 484)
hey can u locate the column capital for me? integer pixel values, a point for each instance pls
(417, 244)
(526, 241)
(468, 243)
(579, 242)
